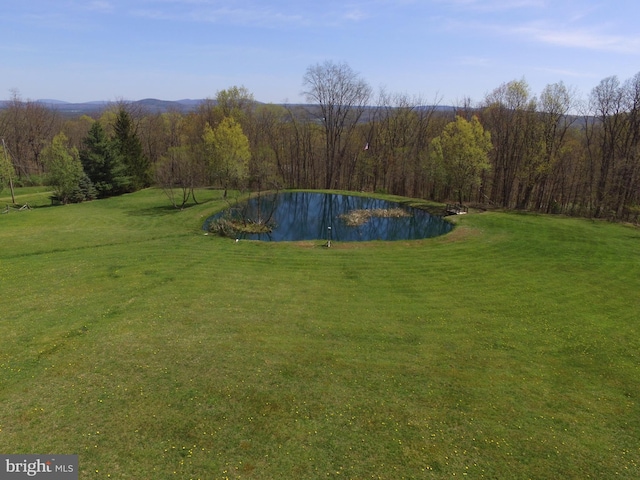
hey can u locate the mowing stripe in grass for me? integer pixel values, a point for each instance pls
(507, 349)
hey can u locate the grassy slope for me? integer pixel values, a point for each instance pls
(506, 349)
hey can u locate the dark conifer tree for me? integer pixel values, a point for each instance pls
(102, 163)
(129, 148)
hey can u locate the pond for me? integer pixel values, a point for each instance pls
(296, 216)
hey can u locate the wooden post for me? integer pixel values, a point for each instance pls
(4, 149)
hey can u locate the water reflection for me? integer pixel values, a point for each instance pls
(308, 216)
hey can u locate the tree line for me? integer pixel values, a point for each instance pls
(552, 153)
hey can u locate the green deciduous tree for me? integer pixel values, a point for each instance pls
(64, 171)
(464, 148)
(228, 153)
(235, 102)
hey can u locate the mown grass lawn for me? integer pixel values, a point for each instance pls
(509, 348)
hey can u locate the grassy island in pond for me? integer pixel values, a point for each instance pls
(507, 348)
(360, 217)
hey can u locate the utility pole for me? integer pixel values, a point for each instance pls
(4, 149)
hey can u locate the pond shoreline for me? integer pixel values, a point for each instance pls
(313, 215)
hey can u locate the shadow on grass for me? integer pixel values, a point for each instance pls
(163, 210)
(159, 210)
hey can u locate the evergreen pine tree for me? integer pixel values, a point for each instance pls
(102, 164)
(130, 150)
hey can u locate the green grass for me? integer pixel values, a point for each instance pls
(509, 348)
(32, 196)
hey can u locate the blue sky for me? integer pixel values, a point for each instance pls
(442, 50)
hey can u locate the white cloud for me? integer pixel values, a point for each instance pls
(275, 14)
(355, 15)
(494, 5)
(580, 38)
(565, 35)
(563, 72)
(194, 11)
(99, 6)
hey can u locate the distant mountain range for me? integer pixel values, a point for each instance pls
(149, 105)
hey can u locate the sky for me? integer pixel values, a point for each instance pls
(439, 51)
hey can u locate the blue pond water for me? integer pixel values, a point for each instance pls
(298, 216)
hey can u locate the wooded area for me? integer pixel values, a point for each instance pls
(552, 153)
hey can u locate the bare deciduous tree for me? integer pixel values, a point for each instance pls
(342, 97)
(27, 128)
